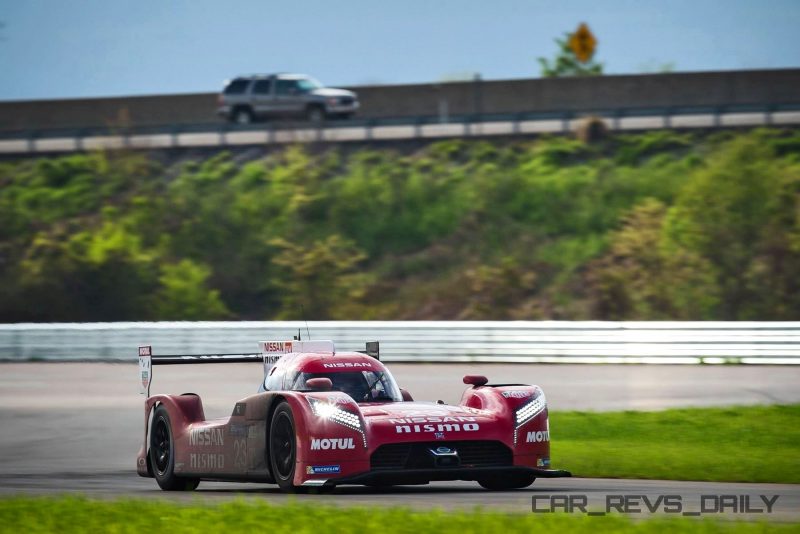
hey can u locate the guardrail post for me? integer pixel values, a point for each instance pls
(768, 116)
(418, 128)
(717, 117)
(667, 118)
(615, 119)
(565, 122)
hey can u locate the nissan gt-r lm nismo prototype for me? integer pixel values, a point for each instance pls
(322, 418)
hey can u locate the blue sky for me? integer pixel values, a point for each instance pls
(78, 48)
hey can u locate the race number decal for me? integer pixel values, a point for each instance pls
(145, 367)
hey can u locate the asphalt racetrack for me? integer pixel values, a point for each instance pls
(76, 427)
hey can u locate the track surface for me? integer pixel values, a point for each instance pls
(77, 427)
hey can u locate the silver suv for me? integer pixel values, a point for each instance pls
(248, 98)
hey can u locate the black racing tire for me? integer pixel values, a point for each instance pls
(315, 114)
(242, 115)
(162, 455)
(283, 448)
(509, 482)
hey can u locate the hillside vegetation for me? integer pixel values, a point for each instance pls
(661, 225)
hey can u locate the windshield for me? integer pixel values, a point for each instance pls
(306, 85)
(362, 386)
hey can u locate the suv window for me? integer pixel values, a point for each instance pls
(237, 87)
(262, 87)
(286, 87)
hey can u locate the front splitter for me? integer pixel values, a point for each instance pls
(422, 476)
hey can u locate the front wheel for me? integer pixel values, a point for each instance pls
(283, 447)
(162, 455)
(516, 481)
(315, 114)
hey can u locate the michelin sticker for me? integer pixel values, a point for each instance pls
(322, 469)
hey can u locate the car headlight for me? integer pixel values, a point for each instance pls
(528, 411)
(331, 412)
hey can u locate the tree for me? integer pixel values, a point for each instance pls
(184, 294)
(646, 276)
(566, 63)
(321, 279)
(722, 214)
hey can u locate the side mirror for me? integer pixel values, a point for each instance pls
(406, 395)
(476, 380)
(319, 384)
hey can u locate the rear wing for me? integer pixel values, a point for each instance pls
(271, 352)
(147, 360)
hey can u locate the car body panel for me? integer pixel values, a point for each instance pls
(339, 440)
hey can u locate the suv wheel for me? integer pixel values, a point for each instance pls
(315, 114)
(242, 116)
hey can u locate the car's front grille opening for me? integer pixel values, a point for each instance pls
(418, 455)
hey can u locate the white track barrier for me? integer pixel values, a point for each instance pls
(776, 343)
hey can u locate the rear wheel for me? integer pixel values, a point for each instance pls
(516, 481)
(283, 447)
(242, 116)
(162, 455)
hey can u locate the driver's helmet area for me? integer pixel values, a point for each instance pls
(373, 384)
(360, 385)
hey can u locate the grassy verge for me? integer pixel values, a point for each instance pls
(70, 514)
(740, 444)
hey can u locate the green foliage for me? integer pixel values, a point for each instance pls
(319, 279)
(566, 63)
(737, 212)
(643, 275)
(184, 294)
(493, 288)
(737, 444)
(658, 225)
(79, 514)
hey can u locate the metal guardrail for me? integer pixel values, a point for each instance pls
(223, 134)
(426, 341)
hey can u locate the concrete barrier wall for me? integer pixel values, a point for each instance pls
(630, 92)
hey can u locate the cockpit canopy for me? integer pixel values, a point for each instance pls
(361, 377)
(361, 386)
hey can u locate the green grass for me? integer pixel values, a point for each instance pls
(71, 514)
(738, 444)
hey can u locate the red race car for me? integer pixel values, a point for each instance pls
(323, 418)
